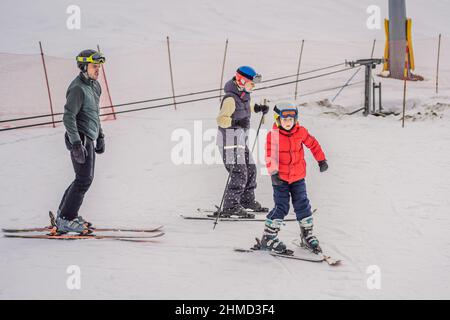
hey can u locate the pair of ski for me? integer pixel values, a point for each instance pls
(147, 234)
(209, 214)
(307, 256)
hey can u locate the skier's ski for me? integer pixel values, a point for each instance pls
(212, 217)
(288, 255)
(52, 228)
(91, 236)
(331, 261)
(208, 211)
(119, 229)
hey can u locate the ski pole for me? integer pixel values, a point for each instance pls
(257, 132)
(219, 209)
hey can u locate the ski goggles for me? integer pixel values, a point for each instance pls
(257, 78)
(95, 58)
(289, 113)
(242, 80)
(246, 84)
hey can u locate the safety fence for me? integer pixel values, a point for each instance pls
(24, 97)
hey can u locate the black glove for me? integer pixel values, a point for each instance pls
(261, 108)
(243, 123)
(276, 181)
(323, 165)
(100, 144)
(78, 152)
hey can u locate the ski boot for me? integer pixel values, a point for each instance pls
(269, 240)
(308, 240)
(80, 218)
(87, 223)
(238, 211)
(255, 206)
(76, 225)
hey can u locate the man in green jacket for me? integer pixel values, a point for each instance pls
(84, 138)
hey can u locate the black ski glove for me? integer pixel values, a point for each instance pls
(323, 165)
(79, 152)
(261, 108)
(100, 144)
(276, 181)
(243, 123)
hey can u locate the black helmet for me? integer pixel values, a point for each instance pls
(89, 56)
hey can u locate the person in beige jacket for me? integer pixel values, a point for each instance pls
(233, 123)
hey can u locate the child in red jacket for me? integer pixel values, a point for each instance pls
(286, 164)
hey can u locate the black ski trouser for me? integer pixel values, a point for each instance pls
(242, 170)
(84, 175)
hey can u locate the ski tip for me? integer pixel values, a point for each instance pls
(333, 262)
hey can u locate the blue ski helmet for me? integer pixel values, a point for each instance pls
(248, 73)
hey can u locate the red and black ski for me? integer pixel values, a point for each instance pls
(90, 236)
(52, 229)
(118, 229)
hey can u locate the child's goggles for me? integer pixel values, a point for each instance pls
(287, 113)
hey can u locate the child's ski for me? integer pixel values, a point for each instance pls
(331, 261)
(291, 254)
(283, 255)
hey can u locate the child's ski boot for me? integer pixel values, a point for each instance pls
(269, 240)
(308, 240)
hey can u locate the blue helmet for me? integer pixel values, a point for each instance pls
(249, 73)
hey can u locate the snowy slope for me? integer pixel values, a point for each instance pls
(136, 24)
(384, 200)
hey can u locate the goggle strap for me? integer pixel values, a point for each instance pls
(97, 60)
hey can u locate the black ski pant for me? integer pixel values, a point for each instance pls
(84, 175)
(242, 171)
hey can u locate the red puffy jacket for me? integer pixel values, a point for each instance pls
(285, 155)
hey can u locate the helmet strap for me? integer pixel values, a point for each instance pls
(86, 75)
(278, 122)
(240, 88)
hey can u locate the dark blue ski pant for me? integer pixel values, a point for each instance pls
(281, 197)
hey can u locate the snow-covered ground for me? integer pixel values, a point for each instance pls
(383, 202)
